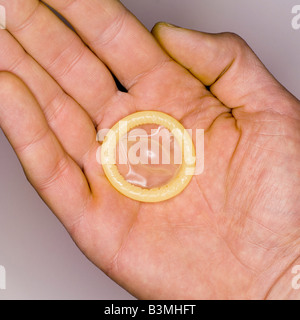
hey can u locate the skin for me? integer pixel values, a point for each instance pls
(234, 233)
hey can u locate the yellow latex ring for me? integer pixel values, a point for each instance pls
(173, 187)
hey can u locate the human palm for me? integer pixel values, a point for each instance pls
(234, 232)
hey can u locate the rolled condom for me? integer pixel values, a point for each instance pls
(172, 188)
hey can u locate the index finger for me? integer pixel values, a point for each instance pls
(115, 35)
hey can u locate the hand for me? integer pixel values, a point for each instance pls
(234, 232)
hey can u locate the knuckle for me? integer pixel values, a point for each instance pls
(9, 83)
(28, 18)
(58, 171)
(233, 37)
(235, 42)
(111, 31)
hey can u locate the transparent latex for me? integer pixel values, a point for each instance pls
(148, 156)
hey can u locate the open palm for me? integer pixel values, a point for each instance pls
(235, 230)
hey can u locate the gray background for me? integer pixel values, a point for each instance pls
(40, 259)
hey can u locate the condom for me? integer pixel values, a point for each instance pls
(176, 185)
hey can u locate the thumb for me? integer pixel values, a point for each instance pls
(226, 64)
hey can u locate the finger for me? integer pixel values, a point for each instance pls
(67, 119)
(225, 63)
(115, 35)
(61, 52)
(51, 171)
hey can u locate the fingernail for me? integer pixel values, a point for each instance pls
(170, 25)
